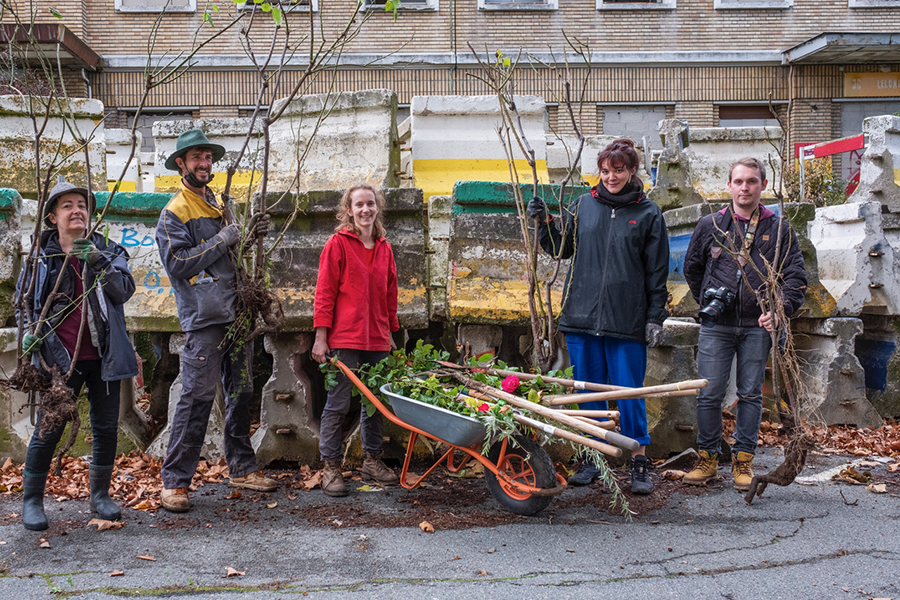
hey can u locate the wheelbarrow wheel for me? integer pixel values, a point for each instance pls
(525, 462)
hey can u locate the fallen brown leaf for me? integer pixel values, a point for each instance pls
(43, 543)
(117, 573)
(271, 505)
(103, 525)
(426, 527)
(673, 474)
(235, 495)
(146, 557)
(878, 488)
(310, 482)
(232, 572)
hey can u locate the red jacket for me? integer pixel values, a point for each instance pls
(357, 304)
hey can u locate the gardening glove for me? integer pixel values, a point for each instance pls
(30, 343)
(259, 225)
(536, 209)
(653, 335)
(86, 251)
(230, 234)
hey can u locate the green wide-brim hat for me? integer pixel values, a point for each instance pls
(192, 138)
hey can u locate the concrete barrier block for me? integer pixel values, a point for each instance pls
(229, 133)
(714, 149)
(674, 186)
(488, 259)
(455, 138)
(880, 164)
(17, 157)
(561, 150)
(672, 422)
(15, 415)
(288, 421)
(294, 280)
(214, 443)
(119, 147)
(356, 142)
(855, 259)
(833, 378)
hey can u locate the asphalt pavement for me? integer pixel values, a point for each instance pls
(814, 539)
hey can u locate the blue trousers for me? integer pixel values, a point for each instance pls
(613, 361)
(205, 361)
(717, 348)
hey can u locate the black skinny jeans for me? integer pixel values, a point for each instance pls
(104, 398)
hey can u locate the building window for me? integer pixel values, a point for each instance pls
(635, 4)
(746, 4)
(287, 5)
(743, 115)
(874, 3)
(156, 5)
(518, 4)
(404, 4)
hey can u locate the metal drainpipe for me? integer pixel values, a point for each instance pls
(87, 81)
(453, 46)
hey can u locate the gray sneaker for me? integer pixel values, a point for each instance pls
(585, 474)
(640, 476)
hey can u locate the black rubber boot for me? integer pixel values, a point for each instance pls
(101, 503)
(33, 517)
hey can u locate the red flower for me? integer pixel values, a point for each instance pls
(484, 407)
(510, 384)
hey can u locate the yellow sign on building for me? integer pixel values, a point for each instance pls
(865, 85)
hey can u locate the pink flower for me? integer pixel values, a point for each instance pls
(484, 407)
(510, 384)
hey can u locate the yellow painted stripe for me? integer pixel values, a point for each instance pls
(437, 176)
(125, 186)
(239, 183)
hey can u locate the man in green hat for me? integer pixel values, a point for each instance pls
(194, 239)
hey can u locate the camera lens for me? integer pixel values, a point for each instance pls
(711, 312)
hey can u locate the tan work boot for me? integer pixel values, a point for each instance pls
(333, 480)
(254, 481)
(742, 470)
(705, 470)
(175, 500)
(374, 468)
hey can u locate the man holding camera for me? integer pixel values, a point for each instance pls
(726, 269)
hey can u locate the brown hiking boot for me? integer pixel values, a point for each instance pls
(706, 469)
(373, 468)
(333, 480)
(254, 481)
(742, 470)
(175, 500)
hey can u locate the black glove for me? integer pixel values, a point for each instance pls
(653, 335)
(259, 225)
(536, 209)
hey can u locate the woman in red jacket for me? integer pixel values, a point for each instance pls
(355, 313)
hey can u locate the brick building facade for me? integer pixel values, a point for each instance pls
(709, 62)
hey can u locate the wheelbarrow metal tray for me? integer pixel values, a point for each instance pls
(453, 428)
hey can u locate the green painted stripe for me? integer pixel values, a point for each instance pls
(134, 203)
(482, 197)
(9, 199)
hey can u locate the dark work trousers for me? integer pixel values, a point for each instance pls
(104, 398)
(205, 361)
(337, 405)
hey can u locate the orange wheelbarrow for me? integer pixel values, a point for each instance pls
(519, 476)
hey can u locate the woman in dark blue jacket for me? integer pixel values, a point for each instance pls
(615, 292)
(87, 306)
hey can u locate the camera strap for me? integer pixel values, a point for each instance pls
(743, 256)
